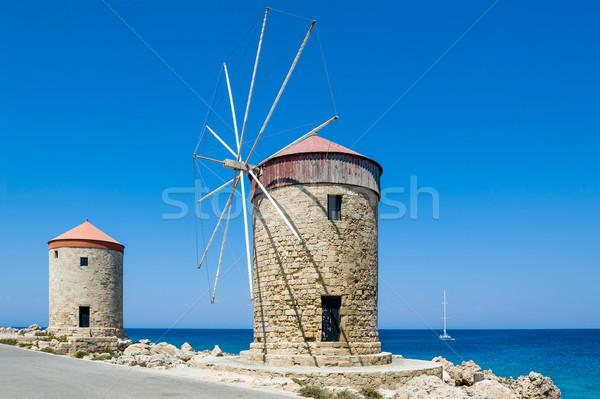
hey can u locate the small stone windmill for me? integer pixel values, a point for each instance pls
(313, 279)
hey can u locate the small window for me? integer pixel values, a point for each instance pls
(84, 316)
(56, 254)
(83, 262)
(334, 207)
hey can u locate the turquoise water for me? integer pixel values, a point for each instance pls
(570, 357)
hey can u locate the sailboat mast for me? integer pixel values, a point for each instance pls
(444, 311)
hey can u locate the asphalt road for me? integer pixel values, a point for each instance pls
(28, 374)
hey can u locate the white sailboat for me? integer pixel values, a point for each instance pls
(445, 336)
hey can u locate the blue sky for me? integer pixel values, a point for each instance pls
(505, 127)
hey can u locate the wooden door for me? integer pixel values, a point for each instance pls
(84, 316)
(331, 318)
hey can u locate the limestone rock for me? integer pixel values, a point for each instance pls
(534, 386)
(163, 360)
(291, 387)
(445, 363)
(126, 360)
(447, 370)
(388, 393)
(186, 352)
(446, 378)
(478, 377)
(489, 375)
(122, 344)
(64, 346)
(43, 344)
(157, 359)
(484, 384)
(164, 347)
(464, 374)
(429, 387)
(197, 360)
(143, 358)
(32, 331)
(491, 389)
(137, 349)
(216, 351)
(350, 392)
(185, 356)
(8, 330)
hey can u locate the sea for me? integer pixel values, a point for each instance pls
(570, 357)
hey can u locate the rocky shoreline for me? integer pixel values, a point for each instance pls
(464, 381)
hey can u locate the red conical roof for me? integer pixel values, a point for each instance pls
(86, 235)
(317, 144)
(318, 160)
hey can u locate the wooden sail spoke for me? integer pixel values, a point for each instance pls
(221, 141)
(220, 220)
(285, 219)
(262, 129)
(262, 32)
(215, 191)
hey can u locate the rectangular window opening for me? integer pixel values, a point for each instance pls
(56, 254)
(84, 316)
(334, 207)
(330, 305)
(83, 262)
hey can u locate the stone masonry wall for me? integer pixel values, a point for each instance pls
(100, 287)
(335, 257)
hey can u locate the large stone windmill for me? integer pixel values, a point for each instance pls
(315, 297)
(313, 279)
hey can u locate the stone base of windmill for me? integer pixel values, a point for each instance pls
(97, 344)
(100, 339)
(317, 354)
(317, 360)
(385, 376)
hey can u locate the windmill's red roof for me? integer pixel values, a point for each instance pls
(86, 235)
(317, 144)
